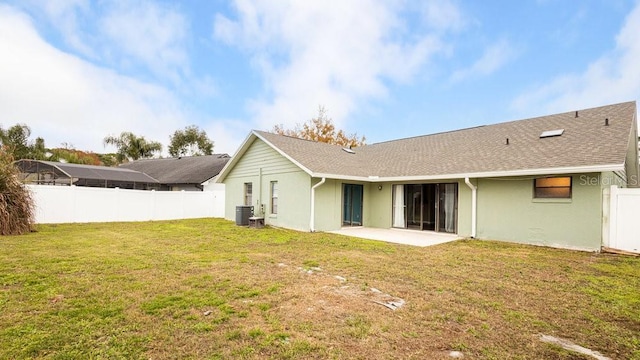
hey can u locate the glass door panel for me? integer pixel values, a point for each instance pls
(414, 206)
(352, 204)
(447, 211)
(398, 207)
(429, 207)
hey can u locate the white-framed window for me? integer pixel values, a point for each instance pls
(274, 197)
(552, 188)
(248, 194)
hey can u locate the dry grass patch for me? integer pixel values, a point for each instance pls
(206, 289)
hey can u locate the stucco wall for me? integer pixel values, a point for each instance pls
(261, 165)
(507, 211)
(380, 204)
(329, 204)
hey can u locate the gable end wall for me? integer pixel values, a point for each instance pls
(260, 165)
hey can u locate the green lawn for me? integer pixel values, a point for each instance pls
(207, 289)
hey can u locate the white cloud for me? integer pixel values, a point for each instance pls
(63, 15)
(494, 57)
(443, 15)
(226, 134)
(338, 56)
(614, 77)
(65, 99)
(152, 34)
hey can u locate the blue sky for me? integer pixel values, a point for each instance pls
(76, 71)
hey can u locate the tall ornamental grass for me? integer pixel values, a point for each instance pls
(16, 203)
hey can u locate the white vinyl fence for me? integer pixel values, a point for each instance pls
(622, 228)
(75, 204)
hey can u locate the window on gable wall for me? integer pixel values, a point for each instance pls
(274, 197)
(248, 194)
(552, 188)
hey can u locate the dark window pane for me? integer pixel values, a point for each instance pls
(553, 188)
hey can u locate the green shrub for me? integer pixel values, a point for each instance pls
(16, 203)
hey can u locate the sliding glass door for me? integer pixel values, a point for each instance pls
(431, 207)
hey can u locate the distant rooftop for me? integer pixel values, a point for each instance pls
(180, 170)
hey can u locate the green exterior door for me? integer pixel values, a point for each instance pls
(352, 205)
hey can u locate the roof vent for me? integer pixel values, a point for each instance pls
(606, 122)
(576, 113)
(348, 150)
(551, 133)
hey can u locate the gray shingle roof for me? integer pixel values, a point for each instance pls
(182, 170)
(586, 142)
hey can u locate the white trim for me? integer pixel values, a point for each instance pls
(474, 202)
(346, 177)
(613, 217)
(377, 178)
(283, 153)
(525, 172)
(235, 158)
(606, 215)
(312, 217)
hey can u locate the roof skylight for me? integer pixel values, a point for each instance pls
(551, 133)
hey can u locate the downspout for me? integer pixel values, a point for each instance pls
(258, 211)
(474, 199)
(313, 205)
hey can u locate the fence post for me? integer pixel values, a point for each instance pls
(606, 216)
(613, 217)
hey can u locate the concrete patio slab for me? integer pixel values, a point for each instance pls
(398, 236)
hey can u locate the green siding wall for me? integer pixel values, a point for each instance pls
(260, 165)
(507, 211)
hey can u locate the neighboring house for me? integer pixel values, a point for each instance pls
(56, 173)
(537, 181)
(189, 173)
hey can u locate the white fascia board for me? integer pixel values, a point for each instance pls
(277, 149)
(343, 177)
(525, 172)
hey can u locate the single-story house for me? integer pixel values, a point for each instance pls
(535, 181)
(189, 173)
(42, 172)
